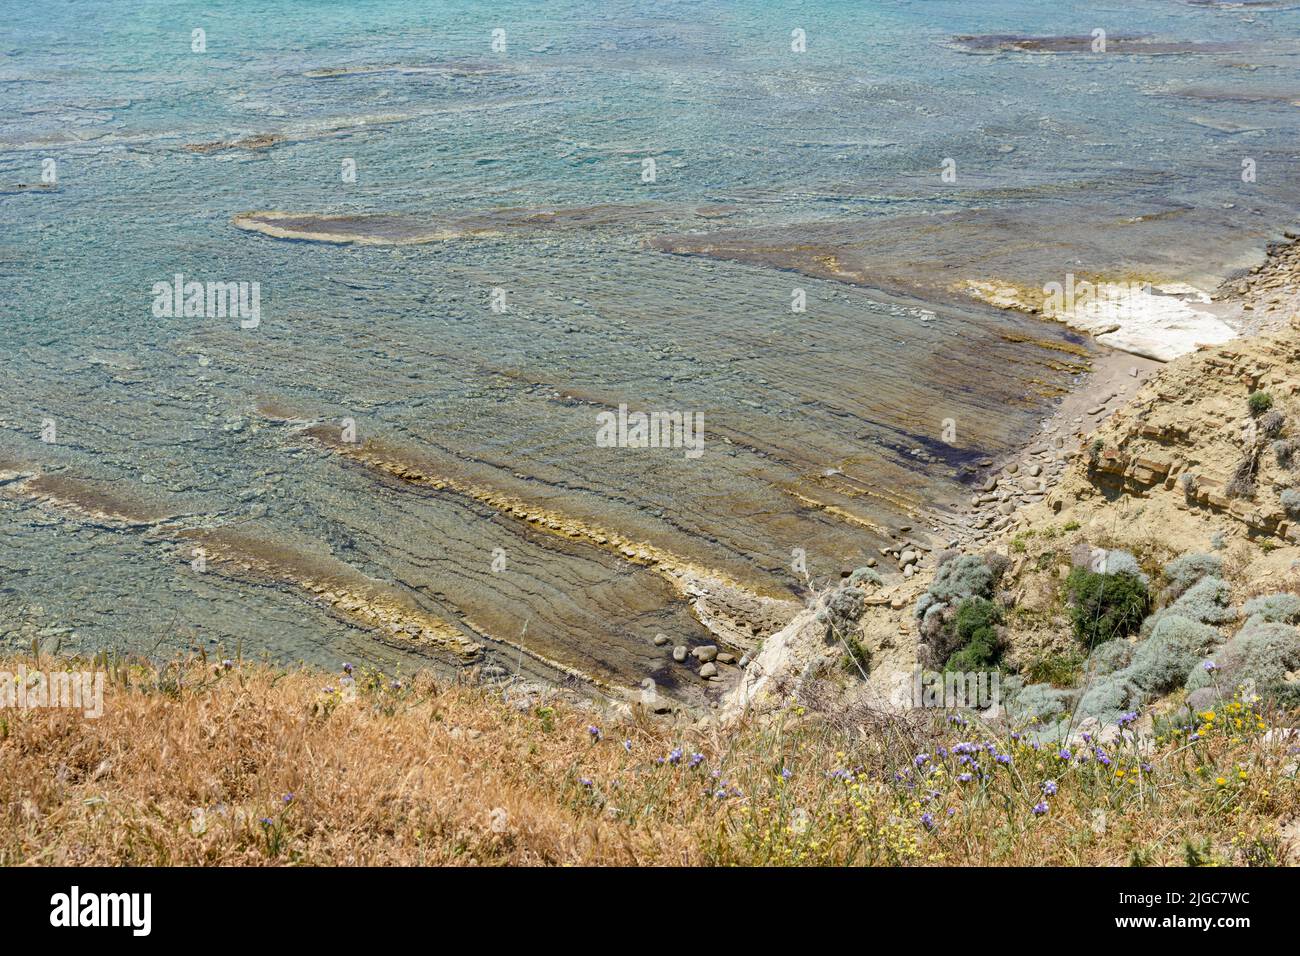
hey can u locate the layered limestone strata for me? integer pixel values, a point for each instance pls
(1189, 431)
(735, 613)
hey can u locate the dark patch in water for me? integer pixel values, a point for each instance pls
(1115, 43)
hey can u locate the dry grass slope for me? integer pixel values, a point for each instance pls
(240, 764)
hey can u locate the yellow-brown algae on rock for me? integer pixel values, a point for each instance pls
(734, 611)
(351, 594)
(87, 500)
(263, 141)
(385, 229)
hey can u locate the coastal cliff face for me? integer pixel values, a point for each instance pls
(1201, 461)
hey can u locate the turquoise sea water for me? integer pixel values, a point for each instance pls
(852, 132)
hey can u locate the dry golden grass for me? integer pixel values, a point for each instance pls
(250, 765)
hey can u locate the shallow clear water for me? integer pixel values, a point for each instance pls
(787, 151)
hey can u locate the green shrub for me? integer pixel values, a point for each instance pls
(976, 626)
(1259, 402)
(958, 579)
(1058, 670)
(966, 576)
(857, 658)
(1105, 606)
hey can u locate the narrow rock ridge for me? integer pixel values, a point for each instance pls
(390, 229)
(731, 611)
(346, 591)
(350, 594)
(87, 502)
(385, 611)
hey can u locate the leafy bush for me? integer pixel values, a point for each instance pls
(857, 658)
(866, 574)
(956, 580)
(841, 610)
(976, 626)
(1259, 402)
(1282, 608)
(1059, 670)
(1108, 699)
(1121, 562)
(1262, 654)
(1271, 423)
(1109, 657)
(1161, 662)
(1039, 702)
(1105, 606)
(1208, 601)
(1182, 573)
